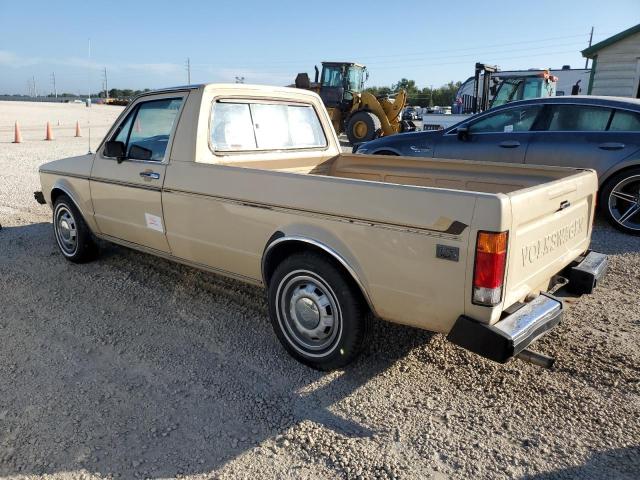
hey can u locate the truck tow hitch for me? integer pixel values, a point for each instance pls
(536, 358)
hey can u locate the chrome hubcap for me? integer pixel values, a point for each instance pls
(309, 313)
(66, 231)
(624, 202)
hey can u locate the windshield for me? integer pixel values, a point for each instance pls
(355, 79)
(507, 92)
(332, 76)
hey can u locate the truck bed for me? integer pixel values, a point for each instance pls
(547, 210)
(439, 173)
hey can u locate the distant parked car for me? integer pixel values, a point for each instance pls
(602, 133)
(409, 114)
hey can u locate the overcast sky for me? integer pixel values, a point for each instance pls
(146, 44)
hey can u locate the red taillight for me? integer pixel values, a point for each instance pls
(488, 273)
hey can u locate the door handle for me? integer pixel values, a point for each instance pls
(611, 146)
(150, 174)
(509, 144)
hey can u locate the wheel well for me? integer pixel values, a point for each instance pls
(614, 174)
(55, 193)
(282, 250)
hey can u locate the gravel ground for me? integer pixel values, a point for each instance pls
(135, 367)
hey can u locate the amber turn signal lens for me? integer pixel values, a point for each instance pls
(492, 242)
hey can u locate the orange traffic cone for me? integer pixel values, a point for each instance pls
(17, 136)
(78, 129)
(49, 132)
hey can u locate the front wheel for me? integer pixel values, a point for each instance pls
(72, 233)
(620, 201)
(317, 313)
(362, 127)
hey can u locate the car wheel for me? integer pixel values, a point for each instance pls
(620, 201)
(317, 313)
(72, 234)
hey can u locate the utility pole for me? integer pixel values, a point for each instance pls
(53, 79)
(35, 89)
(106, 85)
(586, 62)
(188, 67)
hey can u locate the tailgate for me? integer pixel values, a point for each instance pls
(551, 226)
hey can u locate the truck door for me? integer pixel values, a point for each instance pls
(500, 136)
(126, 192)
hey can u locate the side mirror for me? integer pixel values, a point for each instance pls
(115, 149)
(140, 153)
(463, 133)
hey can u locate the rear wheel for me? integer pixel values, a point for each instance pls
(317, 313)
(72, 234)
(362, 127)
(620, 201)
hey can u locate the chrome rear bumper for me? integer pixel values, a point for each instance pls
(526, 322)
(512, 334)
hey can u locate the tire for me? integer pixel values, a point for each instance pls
(73, 237)
(317, 313)
(620, 201)
(362, 127)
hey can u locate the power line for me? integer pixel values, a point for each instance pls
(537, 41)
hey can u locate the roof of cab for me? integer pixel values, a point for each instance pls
(231, 86)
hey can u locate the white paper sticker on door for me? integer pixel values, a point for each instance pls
(153, 222)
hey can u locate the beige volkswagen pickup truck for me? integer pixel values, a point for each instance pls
(250, 182)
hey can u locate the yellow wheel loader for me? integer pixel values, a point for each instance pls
(359, 114)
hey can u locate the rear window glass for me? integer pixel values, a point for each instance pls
(577, 118)
(625, 121)
(264, 126)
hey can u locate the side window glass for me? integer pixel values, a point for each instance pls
(625, 122)
(574, 118)
(518, 119)
(151, 129)
(146, 130)
(232, 128)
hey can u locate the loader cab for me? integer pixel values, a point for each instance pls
(339, 81)
(541, 85)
